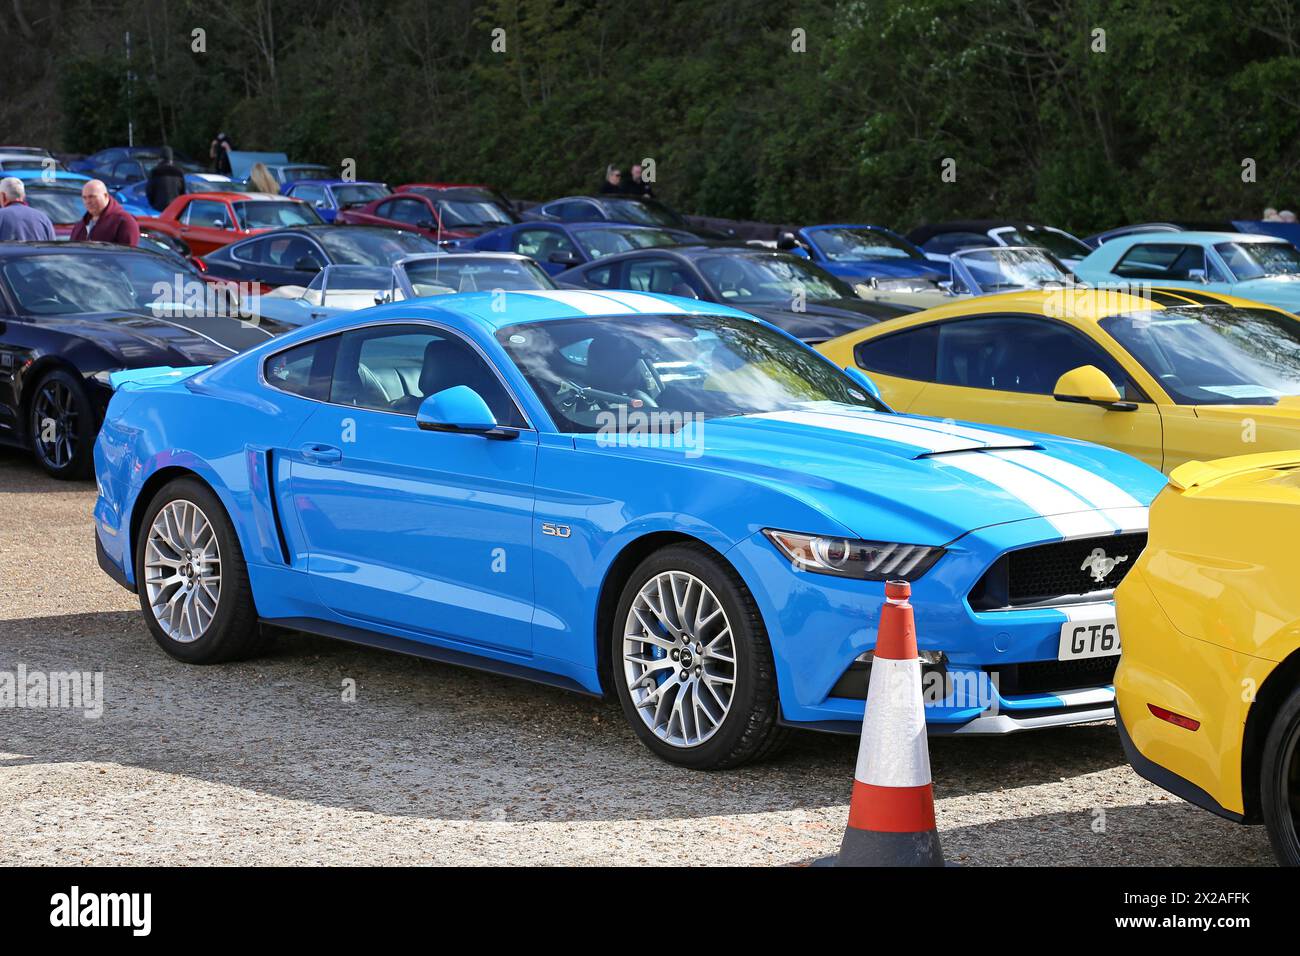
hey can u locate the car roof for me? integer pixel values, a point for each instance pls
(10, 250)
(1187, 235)
(335, 182)
(240, 197)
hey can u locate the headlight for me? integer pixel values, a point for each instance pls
(853, 558)
(903, 285)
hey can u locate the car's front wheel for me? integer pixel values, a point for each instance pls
(192, 580)
(61, 425)
(1280, 782)
(691, 661)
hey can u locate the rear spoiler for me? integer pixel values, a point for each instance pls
(154, 377)
(1202, 474)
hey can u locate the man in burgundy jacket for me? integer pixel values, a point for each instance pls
(105, 219)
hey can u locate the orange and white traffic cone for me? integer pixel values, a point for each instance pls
(891, 813)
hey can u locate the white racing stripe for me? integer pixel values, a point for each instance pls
(894, 750)
(1071, 515)
(1087, 485)
(876, 427)
(637, 302)
(587, 303)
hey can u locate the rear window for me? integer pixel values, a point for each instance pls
(303, 370)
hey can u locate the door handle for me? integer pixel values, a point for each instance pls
(324, 454)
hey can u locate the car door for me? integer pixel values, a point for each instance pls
(426, 531)
(1002, 370)
(206, 224)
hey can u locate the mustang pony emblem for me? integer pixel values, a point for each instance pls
(1099, 564)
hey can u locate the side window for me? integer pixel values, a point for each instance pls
(602, 277)
(304, 369)
(1020, 355)
(540, 244)
(204, 212)
(254, 251)
(576, 211)
(661, 274)
(393, 368)
(410, 211)
(311, 194)
(287, 251)
(910, 354)
(1160, 261)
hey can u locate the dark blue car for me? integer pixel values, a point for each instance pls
(557, 246)
(328, 196)
(869, 255)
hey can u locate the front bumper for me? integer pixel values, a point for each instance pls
(819, 625)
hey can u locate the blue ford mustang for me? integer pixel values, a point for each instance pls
(656, 497)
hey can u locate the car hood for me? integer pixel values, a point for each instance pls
(140, 338)
(823, 319)
(888, 477)
(1275, 290)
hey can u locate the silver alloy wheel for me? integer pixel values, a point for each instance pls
(679, 658)
(182, 571)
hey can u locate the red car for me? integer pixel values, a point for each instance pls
(437, 210)
(207, 221)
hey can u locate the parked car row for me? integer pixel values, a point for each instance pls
(586, 445)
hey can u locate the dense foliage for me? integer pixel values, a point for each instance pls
(857, 126)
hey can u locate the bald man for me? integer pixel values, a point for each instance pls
(105, 219)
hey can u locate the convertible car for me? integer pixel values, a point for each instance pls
(1262, 268)
(293, 256)
(788, 291)
(637, 211)
(75, 313)
(654, 497)
(940, 239)
(557, 246)
(1168, 376)
(868, 255)
(338, 289)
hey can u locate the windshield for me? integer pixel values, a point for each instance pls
(273, 214)
(441, 275)
(1060, 244)
(59, 284)
(358, 193)
(845, 245)
(644, 213)
(1217, 355)
(590, 371)
(18, 162)
(348, 287)
(1255, 260)
(365, 246)
(1010, 268)
(61, 205)
(462, 213)
(770, 278)
(606, 242)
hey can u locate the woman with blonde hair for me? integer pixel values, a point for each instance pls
(261, 179)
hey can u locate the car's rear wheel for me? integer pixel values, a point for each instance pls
(691, 661)
(192, 580)
(1280, 782)
(61, 426)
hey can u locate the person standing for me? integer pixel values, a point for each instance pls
(166, 181)
(613, 180)
(635, 185)
(219, 153)
(105, 219)
(19, 222)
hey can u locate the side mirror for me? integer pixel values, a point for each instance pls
(1089, 385)
(460, 409)
(946, 287)
(321, 204)
(307, 264)
(1197, 275)
(564, 258)
(862, 379)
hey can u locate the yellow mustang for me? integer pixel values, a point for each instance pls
(1208, 686)
(1168, 376)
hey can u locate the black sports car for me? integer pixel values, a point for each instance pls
(788, 291)
(636, 210)
(293, 256)
(72, 313)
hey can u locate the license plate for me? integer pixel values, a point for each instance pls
(1082, 639)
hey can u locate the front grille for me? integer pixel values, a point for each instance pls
(1057, 573)
(1047, 676)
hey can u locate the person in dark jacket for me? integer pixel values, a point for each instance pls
(105, 219)
(634, 185)
(219, 152)
(613, 180)
(18, 221)
(166, 181)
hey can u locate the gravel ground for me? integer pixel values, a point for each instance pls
(265, 763)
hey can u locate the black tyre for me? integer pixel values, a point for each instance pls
(61, 425)
(192, 580)
(1279, 782)
(692, 663)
